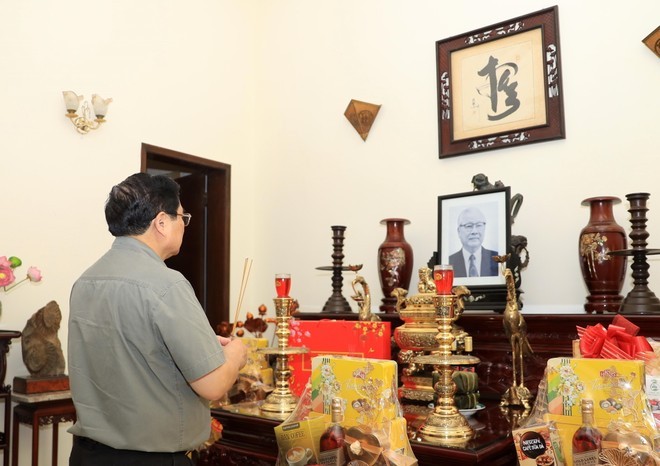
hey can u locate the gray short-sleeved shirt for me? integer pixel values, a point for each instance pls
(137, 335)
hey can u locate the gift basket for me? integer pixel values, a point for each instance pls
(347, 415)
(595, 408)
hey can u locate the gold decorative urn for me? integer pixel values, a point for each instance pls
(418, 336)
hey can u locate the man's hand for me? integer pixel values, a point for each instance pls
(234, 349)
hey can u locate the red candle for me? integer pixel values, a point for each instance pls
(283, 284)
(443, 276)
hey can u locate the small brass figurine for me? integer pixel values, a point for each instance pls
(516, 331)
(426, 283)
(363, 298)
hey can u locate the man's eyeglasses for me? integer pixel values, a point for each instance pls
(472, 226)
(186, 218)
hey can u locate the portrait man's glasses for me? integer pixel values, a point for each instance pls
(473, 226)
(186, 218)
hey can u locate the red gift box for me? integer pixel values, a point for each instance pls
(359, 339)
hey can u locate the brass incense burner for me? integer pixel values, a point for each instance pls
(418, 336)
(445, 425)
(281, 402)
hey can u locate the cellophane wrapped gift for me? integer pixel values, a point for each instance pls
(622, 412)
(335, 337)
(300, 438)
(255, 379)
(257, 366)
(376, 431)
(621, 340)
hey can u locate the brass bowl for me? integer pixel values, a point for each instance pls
(419, 338)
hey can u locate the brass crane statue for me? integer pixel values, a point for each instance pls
(515, 329)
(363, 299)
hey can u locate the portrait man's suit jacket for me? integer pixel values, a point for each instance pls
(487, 268)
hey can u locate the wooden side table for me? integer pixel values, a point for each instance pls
(5, 398)
(39, 410)
(6, 336)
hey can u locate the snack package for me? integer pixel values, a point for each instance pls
(298, 441)
(538, 445)
(298, 435)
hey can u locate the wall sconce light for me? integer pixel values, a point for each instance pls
(84, 122)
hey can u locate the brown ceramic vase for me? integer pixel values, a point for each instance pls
(395, 262)
(603, 274)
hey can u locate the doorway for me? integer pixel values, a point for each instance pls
(205, 194)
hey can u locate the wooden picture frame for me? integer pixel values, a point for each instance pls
(501, 85)
(459, 218)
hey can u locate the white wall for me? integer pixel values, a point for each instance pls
(263, 85)
(315, 171)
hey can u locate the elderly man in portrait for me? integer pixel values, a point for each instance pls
(473, 260)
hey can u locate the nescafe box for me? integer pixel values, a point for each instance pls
(538, 446)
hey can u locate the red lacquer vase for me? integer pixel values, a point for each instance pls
(603, 274)
(395, 262)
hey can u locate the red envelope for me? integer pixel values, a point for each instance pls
(337, 338)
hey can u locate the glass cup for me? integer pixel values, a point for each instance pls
(282, 284)
(443, 276)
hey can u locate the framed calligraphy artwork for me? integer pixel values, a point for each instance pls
(500, 86)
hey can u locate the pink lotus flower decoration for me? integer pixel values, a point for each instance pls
(7, 276)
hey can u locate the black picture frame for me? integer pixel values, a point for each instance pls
(501, 85)
(488, 291)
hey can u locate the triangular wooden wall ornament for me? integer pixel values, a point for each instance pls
(362, 116)
(652, 41)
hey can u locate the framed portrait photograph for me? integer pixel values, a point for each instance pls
(472, 228)
(500, 85)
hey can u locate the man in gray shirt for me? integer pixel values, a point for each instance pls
(143, 358)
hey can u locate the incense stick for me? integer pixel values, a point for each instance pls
(247, 266)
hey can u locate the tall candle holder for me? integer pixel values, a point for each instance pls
(336, 303)
(640, 300)
(281, 402)
(445, 424)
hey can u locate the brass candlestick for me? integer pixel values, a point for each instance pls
(281, 402)
(445, 424)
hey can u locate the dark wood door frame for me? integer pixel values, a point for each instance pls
(218, 203)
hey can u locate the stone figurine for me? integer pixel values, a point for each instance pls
(42, 350)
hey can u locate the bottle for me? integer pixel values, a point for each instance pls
(587, 439)
(332, 450)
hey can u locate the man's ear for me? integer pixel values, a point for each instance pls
(160, 223)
